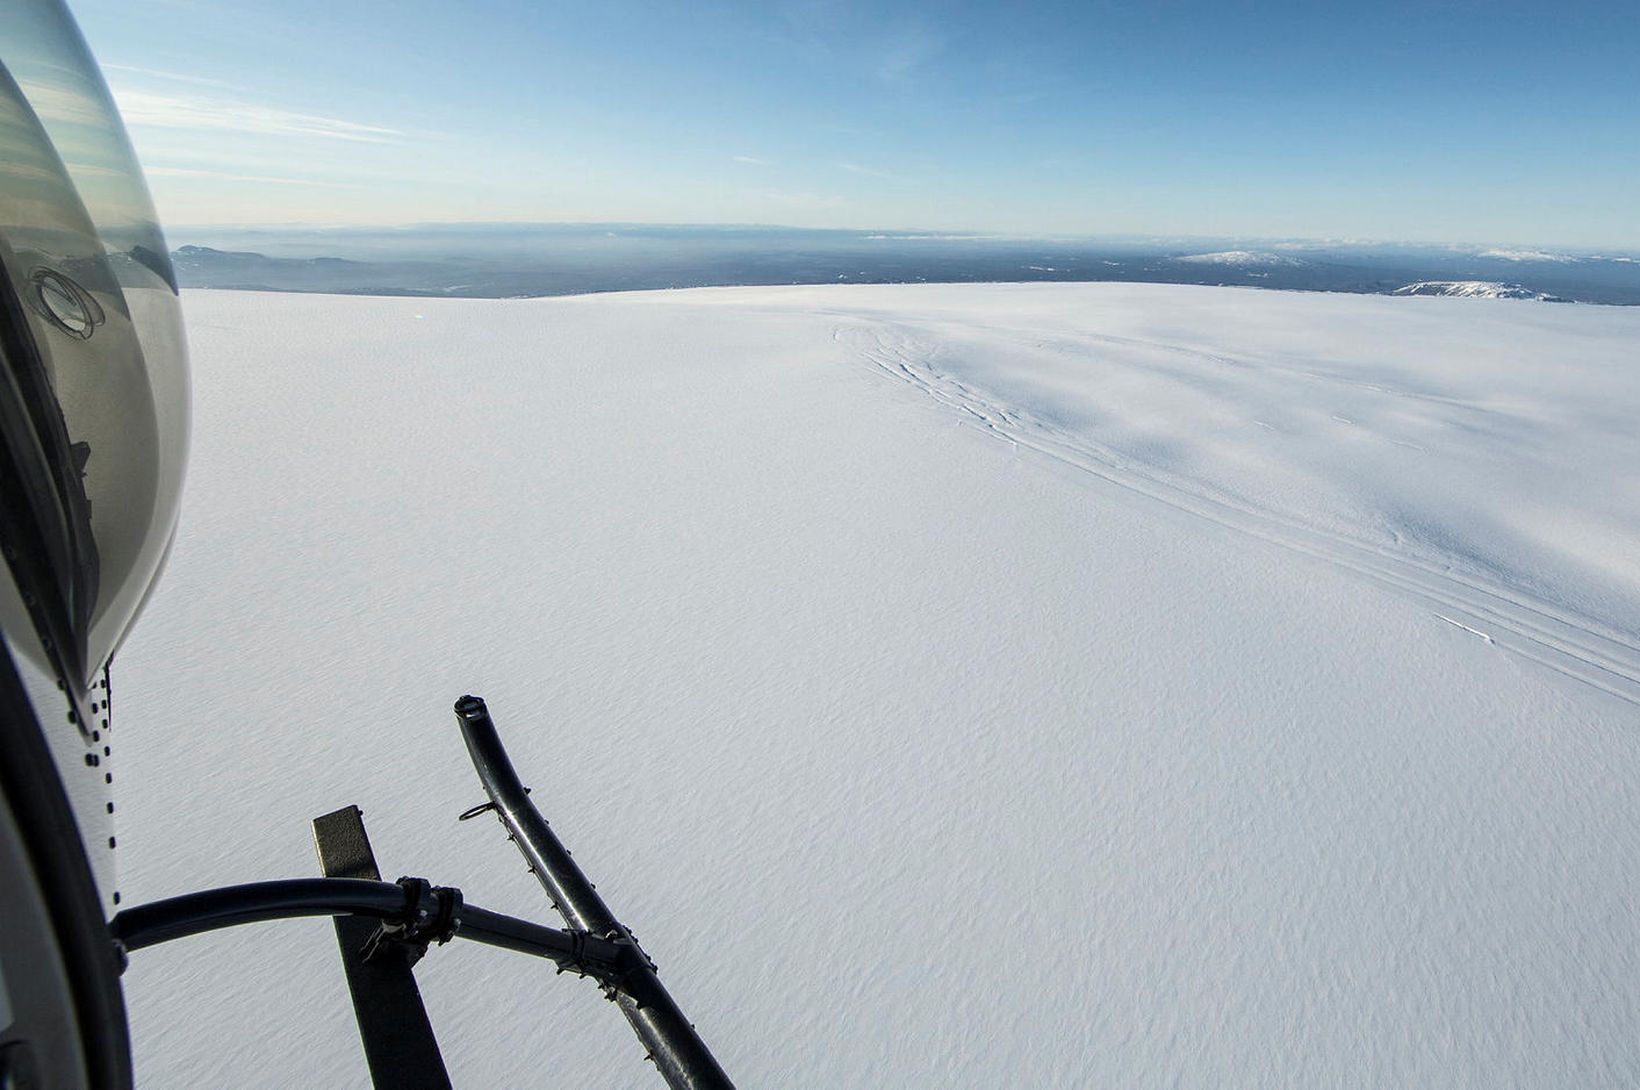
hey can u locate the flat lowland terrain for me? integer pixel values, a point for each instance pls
(987, 685)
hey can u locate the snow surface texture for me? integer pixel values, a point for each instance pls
(984, 685)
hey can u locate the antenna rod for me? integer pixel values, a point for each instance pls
(681, 1056)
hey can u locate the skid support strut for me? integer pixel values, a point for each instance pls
(398, 1039)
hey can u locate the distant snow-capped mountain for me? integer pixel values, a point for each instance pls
(1476, 289)
(1528, 255)
(1243, 258)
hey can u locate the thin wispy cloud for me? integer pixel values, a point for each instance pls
(751, 160)
(226, 176)
(201, 114)
(172, 77)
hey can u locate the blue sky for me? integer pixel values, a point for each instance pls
(1457, 121)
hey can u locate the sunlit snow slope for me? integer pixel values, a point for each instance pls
(985, 685)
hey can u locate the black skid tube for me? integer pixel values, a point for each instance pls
(213, 909)
(230, 906)
(671, 1041)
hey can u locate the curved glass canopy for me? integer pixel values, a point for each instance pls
(95, 380)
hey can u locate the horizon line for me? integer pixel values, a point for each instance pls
(911, 233)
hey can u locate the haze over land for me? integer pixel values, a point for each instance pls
(501, 260)
(1020, 684)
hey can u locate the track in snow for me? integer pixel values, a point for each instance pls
(1575, 646)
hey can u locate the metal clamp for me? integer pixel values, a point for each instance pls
(431, 914)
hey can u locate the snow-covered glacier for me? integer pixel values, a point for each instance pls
(1040, 685)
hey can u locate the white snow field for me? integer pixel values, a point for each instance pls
(1049, 685)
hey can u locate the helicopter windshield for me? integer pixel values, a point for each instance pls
(95, 349)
